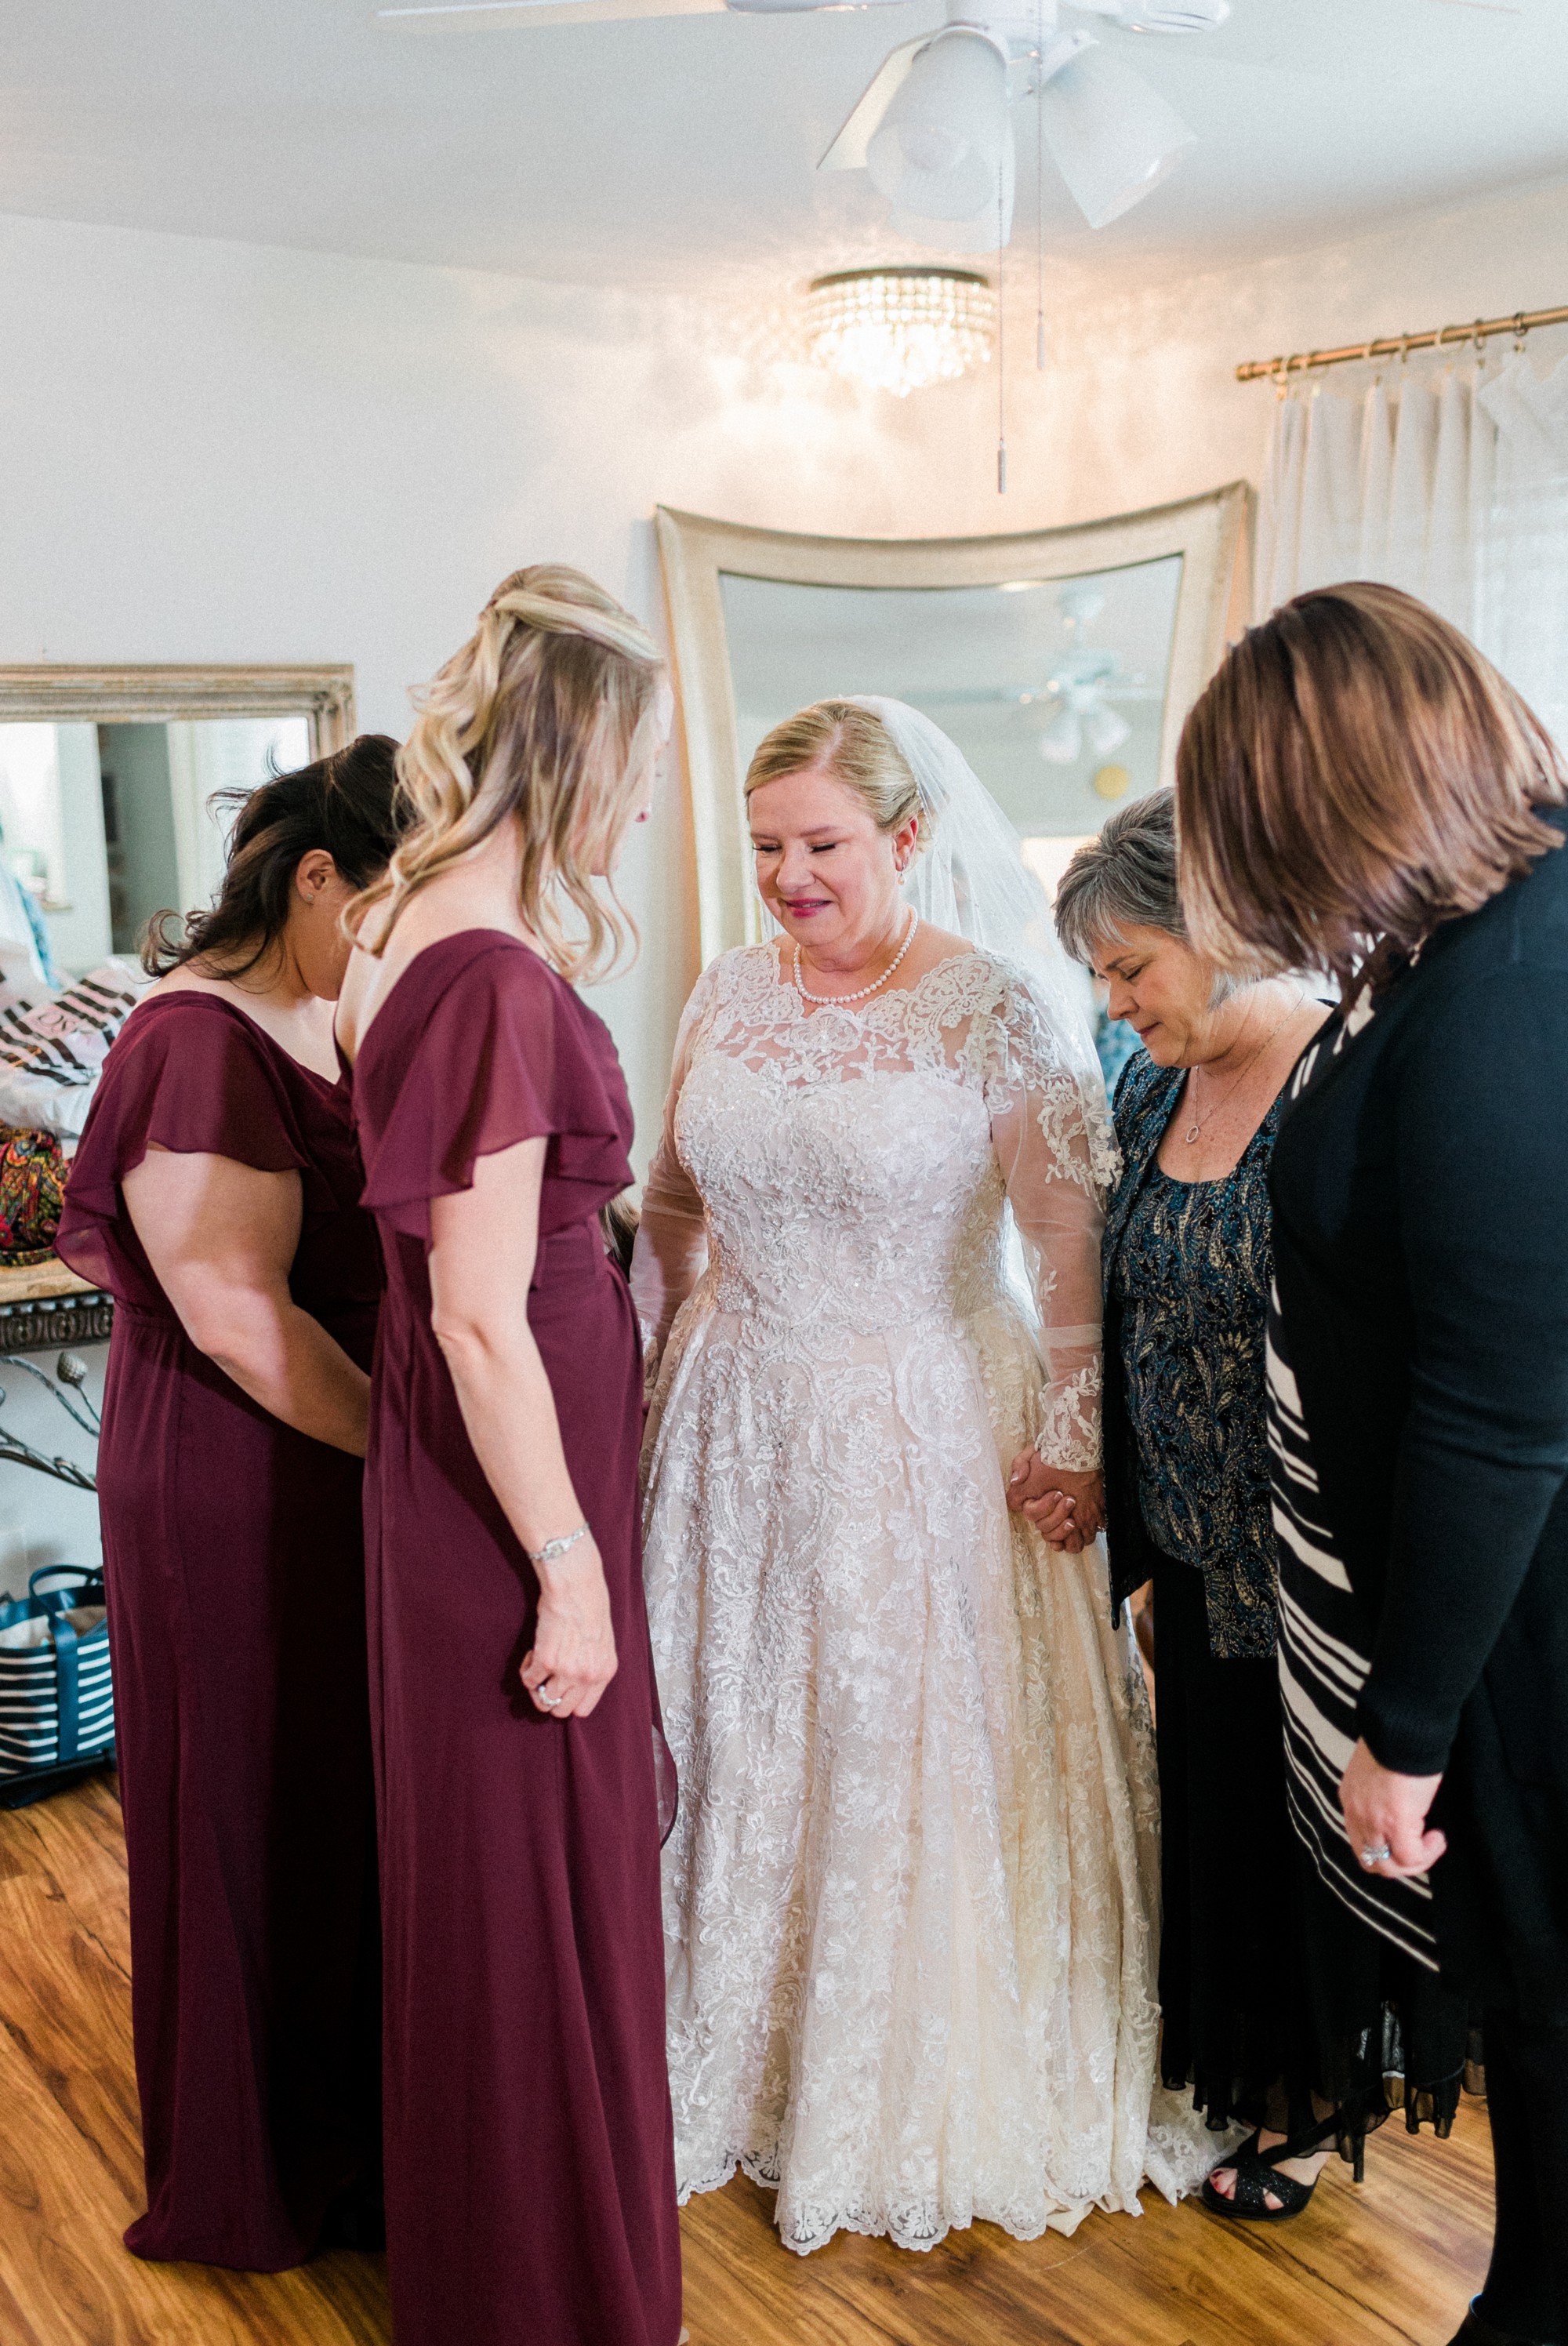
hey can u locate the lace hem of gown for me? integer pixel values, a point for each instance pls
(1177, 2161)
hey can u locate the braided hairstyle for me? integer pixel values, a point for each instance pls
(544, 715)
(348, 803)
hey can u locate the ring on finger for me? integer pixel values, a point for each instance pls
(549, 1700)
(1375, 1856)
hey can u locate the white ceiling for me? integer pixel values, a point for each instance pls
(678, 154)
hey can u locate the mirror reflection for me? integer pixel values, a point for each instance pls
(1054, 689)
(101, 826)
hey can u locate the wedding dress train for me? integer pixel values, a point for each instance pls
(911, 1891)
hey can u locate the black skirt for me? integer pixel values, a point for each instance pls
(1272, 1991)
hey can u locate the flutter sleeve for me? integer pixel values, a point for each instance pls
(672, 1236)
(504, 1052)
(190, 1074)
(1052, 1134)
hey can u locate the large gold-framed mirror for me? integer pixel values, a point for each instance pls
(1062, 661)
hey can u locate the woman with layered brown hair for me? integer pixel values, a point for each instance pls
(1362, 793)
(530, 2188)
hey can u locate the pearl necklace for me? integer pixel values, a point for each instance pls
(827, 1001)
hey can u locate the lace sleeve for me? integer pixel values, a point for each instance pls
(1051, 1133)
(671, 1250)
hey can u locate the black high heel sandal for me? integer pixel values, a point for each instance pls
(1258, 2176)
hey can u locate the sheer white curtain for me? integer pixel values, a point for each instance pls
(1446, 476)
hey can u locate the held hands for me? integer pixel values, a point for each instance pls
(1066, 1509)
(572, 1658)
(1388, 1813)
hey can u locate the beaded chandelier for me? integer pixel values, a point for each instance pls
(899, 330)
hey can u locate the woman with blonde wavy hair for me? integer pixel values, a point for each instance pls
(529, 2177)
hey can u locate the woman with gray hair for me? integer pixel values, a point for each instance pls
(1280, 2007)
(1186, 1274)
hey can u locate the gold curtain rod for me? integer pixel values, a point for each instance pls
(1398, 346)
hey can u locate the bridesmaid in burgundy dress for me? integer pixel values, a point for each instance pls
(216, 1194)
(530, 2184)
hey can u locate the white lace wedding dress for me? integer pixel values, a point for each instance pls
(910, 1895)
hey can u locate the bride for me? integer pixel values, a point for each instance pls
(909, 1896)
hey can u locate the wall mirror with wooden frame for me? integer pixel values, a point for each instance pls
(1062, 661)
(114, 786)
(115, 805)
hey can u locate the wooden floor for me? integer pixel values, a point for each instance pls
(1394, 2261)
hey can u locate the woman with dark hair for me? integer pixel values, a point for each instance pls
(1360, 792)
(215, 1195)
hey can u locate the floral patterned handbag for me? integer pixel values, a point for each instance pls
(32, 1191)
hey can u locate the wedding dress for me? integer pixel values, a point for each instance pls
(910, 1895)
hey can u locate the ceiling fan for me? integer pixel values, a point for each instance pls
(1079, 694)
(933, 129)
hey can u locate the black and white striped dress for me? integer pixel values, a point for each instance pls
(1325, 1638)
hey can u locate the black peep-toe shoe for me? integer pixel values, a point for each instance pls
(1258, 2177)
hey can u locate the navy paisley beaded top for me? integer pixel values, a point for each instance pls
(1191, 1273)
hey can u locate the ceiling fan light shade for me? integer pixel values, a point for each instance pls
(1106, 729)
(1063, 738)
(944, 149)
(901, 330)
(1112, 137)
(1079, 601)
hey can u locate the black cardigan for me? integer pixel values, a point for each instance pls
(1421, 1259)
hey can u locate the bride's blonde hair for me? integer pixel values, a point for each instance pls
(853, 746)
(545, 714)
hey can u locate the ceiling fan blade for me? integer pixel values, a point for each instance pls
(506, 16)
(1343, 40)
(848, 150)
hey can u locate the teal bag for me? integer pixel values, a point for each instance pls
(57, 1695)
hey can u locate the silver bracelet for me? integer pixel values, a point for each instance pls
(553, 1548)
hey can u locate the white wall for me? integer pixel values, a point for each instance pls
(1144, 405)
(221, 452)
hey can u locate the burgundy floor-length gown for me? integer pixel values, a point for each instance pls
(529, 2166)
(234, 1560)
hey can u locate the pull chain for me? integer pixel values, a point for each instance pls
(1001, 341)
(1040, 191)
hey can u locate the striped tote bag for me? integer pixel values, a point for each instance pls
(57, 1701)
